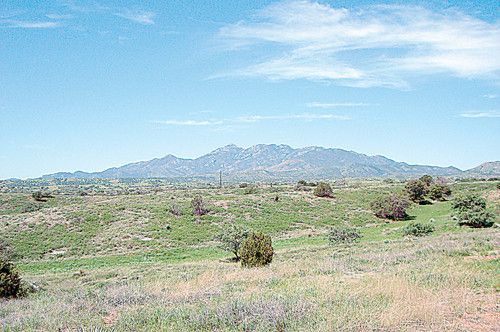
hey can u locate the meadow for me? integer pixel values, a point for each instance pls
(113, 257)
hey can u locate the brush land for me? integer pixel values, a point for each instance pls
(110, 256)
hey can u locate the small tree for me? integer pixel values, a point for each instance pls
(470, 209)
(231, 238)
(323, 189)
(427, 180)
(256, 250)
(10, 281)
(198, 205)
(439, 192)
(390, 207)
(416, 190)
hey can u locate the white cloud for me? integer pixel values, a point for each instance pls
(335, 105)
(29, 24)
(252, 119)
(138, 16)
(370, 46)
(59, 16)
(481, 114)
(490, 96)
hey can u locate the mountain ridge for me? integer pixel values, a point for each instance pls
(274, 162)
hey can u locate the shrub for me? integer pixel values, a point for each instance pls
(10, 282)
(175, 210)
(198, 205)
(256, 250)
(439, 192)
(323, 189)
(426, 179)
(41, 197)
(250, 190)
(417, 229)
(470, 210)
(341, 234)
(232, 237)
(243, 185)
(390, 207)
(302, 183)
(416, 190)
(30, 207)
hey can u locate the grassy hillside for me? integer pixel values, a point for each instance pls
(124, 262)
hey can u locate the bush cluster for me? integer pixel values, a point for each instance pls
(340, 234)
(256, 250)
(417, 190)
(198, 205)
(232, 237)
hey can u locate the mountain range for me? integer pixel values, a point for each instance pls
(278, 162)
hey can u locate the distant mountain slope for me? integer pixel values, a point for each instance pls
(271, 162)
(489, 169)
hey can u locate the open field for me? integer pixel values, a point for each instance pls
(123, 261)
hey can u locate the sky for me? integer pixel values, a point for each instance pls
(88, 85)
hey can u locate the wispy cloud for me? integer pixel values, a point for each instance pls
(29, 24)
(481, 114)
(59, 16)
(336, 105)
(138, 16)
(490, 96)
(252, 119)
(378, 45)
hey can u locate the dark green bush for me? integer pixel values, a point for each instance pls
(390, 207)
(417, 229)
(231, 238)
(10, 281)
(249, 190)
(439, 192)
(323, 189)
(416, 190)
(470, 210)
(427, 180)
(256, 250)
(343, 234)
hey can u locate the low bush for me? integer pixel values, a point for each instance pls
(417, 229)
(10, 281)
(390, 207)
(416, 190)
(439, 192)
(256, 250)
(470, 210)
(198, 205)
(323, 189)
(338, 235)
(250, 190)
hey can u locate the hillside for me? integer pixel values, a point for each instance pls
(489, 169)
(268, 162)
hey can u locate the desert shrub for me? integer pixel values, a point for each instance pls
(256, 250)
(416, 190)
(390, 207)
(30, 207)
(342, 234)
(250, 190)
(498, 185)
(198, 205)
(426, 179)
(302, 183)
(323, 189)
(40, 196)
(417, 229)
(243, 185)
(439, 192)
(470, 210)
(175, 210)
(231, 238)
(10, 281)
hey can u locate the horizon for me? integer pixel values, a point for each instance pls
(87, 86)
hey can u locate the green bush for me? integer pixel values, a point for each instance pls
(323, 189)
(231, 238)
(256, 250)
(10, 281)
(439, 192)
(390, 207)
(416, 190)
(417, 229)
(249, 190)
(427, 180)
(342, 234)
(470, 210)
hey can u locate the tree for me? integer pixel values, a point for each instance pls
(10, 281)
(470, 209)
(323, 189)
(426, 179)
(439, 192)
(390, 207)
(256, 250)
(198, 205)
(416, 190)
(231, 238)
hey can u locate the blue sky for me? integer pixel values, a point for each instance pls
(87, 85)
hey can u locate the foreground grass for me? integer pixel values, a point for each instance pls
(444, 282)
